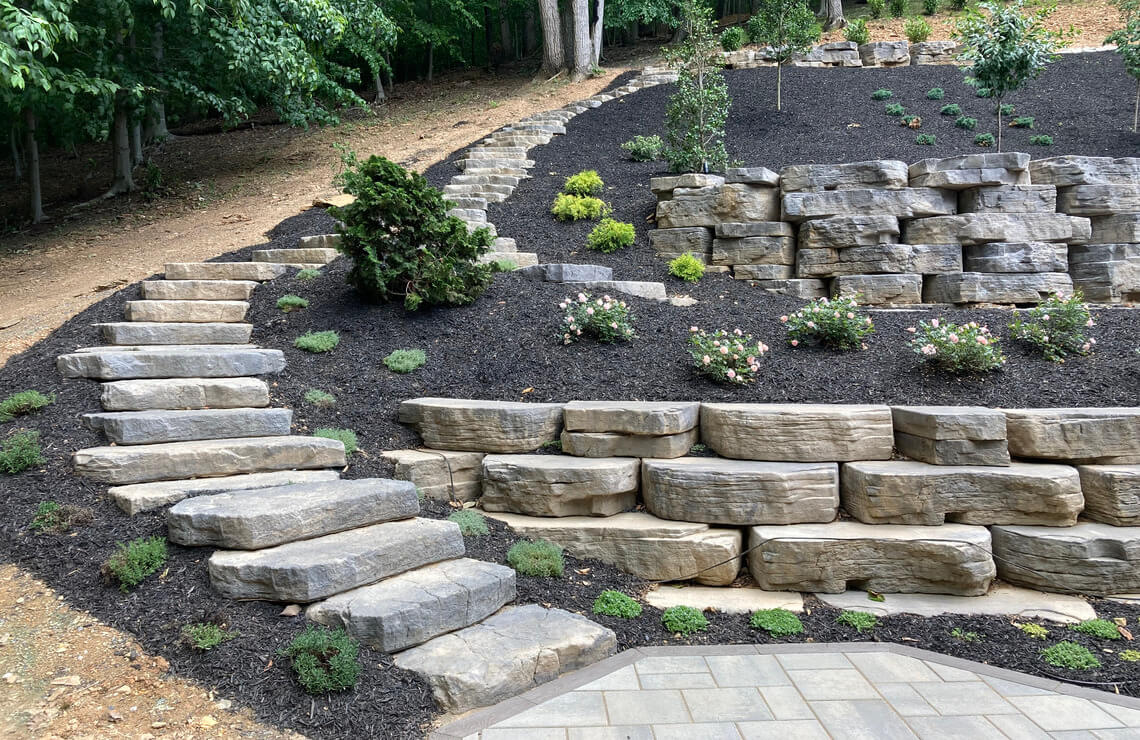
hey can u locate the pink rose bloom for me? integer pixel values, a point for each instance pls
(693, 328)
(1085, 347)
(783, 319)
(613, 324)
(716, 343)
(582, 298)
(562, 305)
(1090, 322)
(1092, 340)
(751, 360)
(928, 350)
(590, 311)
(811, 324)
(755, 368)
(763, 347)
(578, 332)
(1045, 317)
(837, 314)
(737, 332)
(724, 350)
(973, 324)
(934, 323)
(795, 342)
(864, 345)
(953, 339)
(706, 359)
(983, 341)
(731, 374)
(850, 315)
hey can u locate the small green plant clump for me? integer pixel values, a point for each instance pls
(46, 518)
(320, 399)
(925, 139)
(644, 148)
(957, 348)
(586, 182)
(1100, 628)
(1035, 631)
(53, 517)
(347, 437)
(726, 357)
(882, 94)
(540, 558)
(317, 341)
(966, 122)
(325, 660)
(684, 620)
(205, 635)
(935, 93)
(964, 635)
(916, 30)
(1023, 122)
(898, 8)
(616, 604)
(733, 38)
(877, 7)
(1056, 326)
(984, 140)
(1005, 109)
(610, 235)
(859, 621)
(605, 319)
(1070, 655)
(895, 109)
(404, 361)
(929, 7)
(471, 523)
(578, 207)
(24, 403)
(308, 274)
(290, 303)
(504, 265)
(857, 31)
(959, 5)
(20, 450)
(1130, 656)
(776, 622)
(553, 447)
(687, 267)
(952, 109)
(134, 561)
(837, 323)
(1041, 140)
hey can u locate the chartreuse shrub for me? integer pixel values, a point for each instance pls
(610, 235)
(405, 360)
(687, 267)
(925, 139)
(605, 319)
(317, 341)
(134, 561)
(951, 109)
(877, 8)
(1056, 326)
(616, 604)
(308, 274)
(289, 303)
(347, 437)
(957, 348)
(696, 114)
(838, 323)
(586, 182)
(966, 122)
(471, 523)
(53, 517)
(894, 109)
(882, 94)
(935, 93)
(1041, 140)
(857, 31)
(24, 403)
(726, 357)
(859, 621)
(324, 659)
(1036, 631)
(1099, 628)
(540, 558)
(916, 30)
(776, 622)
(205, 635)
(684, 620)
(1070, 655)
(578, 207)
(320, 399)
(984, 140)
(20, 451)
(732, 38)
(1130, 656)
(644, 148)
(402, 243)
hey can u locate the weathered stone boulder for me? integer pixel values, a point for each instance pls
(663, 187)
(184, 393)
(1112, 493)
(1120, 228)
(806, 289)
(1008, 199)
(206, 362)
(740, 492)
(413, 607)
(642, 545)
(988, 287)
(890, 174)
(880, 258)
(670, 243)
(1017, 257)
(951, 435)
(711, 205)
(1090, 435)
(763, 272)
(1090, 558)
(834, 54)
(752, 176)
(606, 444)
(971, 171)
(878, 290)
(884, 54)
(138, 497)
(905, 492)
(905, 203)
(797, 432)
(646, 289)
(933, 52)
(197, 290)
(1099, 200)
(979, 228)
(482, 426)
(444, 475)
(755, 250)
(559, 485)
(648, 418)
(566, 273)
(163, 425)
(841, 232)
(144, 332)
(1106, 273)
(1069, 170)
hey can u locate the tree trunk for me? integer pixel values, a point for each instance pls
(779, 80)
(391, 73)
(506, 39)
(553, 61)
(121, 150)
(17, 164)
(999, 124)
(831, 14)
(596, 36)
(580, 15)
(488, 36)
(431, 61)
(530, 34)
(33, 152)
(379, 82)
(631, 32)
(155, 129)
(1136, 108)
(136, 144)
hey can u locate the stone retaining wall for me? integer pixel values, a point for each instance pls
(850, 54)
(978, 228)
(805, 497)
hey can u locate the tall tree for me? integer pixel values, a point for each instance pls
(697, 112)
(831, 14)
(553, 58)
(580, 25)
(787, 26)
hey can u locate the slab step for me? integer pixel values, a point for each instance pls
(520, 259)
(265, 517)
(156, 427)
(171, 363)
(559, 485)
(636, 288)
(1090, 558)
(103, 348)
(197, 290)
(319, 241)
(310, 255)
(149, 333)
(259, 271)
(566, 273)
(138, 497)
(198, 312)
(184, 393)
(504, 244)
(515, 650)
(311, 570)
(207, 458)
(413, 607)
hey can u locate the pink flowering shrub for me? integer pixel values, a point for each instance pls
(1056, 326)
(957, 348)
(604, 319)
(728, 357)
(836, 323)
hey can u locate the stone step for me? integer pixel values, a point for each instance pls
(466, 202)
(197, 290)
(612, 444)
(319, 241)
(480, 189)
(443, 475)
(638, 289)
(497, 152)
(520, 259)
(559, 485)
(798, 432)
(1112, 493)
(564, 273)
(297, 265)
(166, 333)
(475, 171)
(1090, 558)
(503, 162)
(155, 427)
(309, 255)
(413, 607)
(184, 393)
(482, 426)
(258, 271)
(631, 417)
(200, 348)
(138, 497)
(515, 650)
(886, 558)
(197, 312)
(504, 244)
(311, 570)
(265, 517)
(473, 226)
(207, 458)
(470, 215)
(171, 363)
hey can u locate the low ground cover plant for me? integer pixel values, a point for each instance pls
(317, 341)
(324, 660)
(837, 323)
(540, 558)
(1036, 631)
(916, 30)
(1005, 109)
(644, 148)
(586, 182)
(19, 451)
(1070, 655)
(1041, 140)
(1056, 326)
(733, 38)
(951, 109)
(134, 561)
(1023, 122)
(578, 207)
(24, 403)
(857, 31)
(320, 399)
(610, 235)
(684, 620)
(858, 621)
(957, 348)
(205, 635)
(925, 139)
(965, 635)
(966, 122)
(1130, 656)
(895, 109)
(935, 93)
(308, 274)
(471, 523)
(687, 267)
(405, 360)
(1099, 628)
(986, 140)
(604, 319)
(882, 94)
(776, 622)
(616, 604)
(347, 437)
(58, 518)
(726, 357)
(290, 303)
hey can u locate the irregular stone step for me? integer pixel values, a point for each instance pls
(1001, 600)
(563, 273)
(519, 259)
(146, 333)
(515, 650)
(198, 312)
(500, 163)
(311, 570)
(979, 228)
(1072, 170)
(880, 173)
(906, 203)
(841, 232)
(197, 290)
(740, 492)
(881, 258)
(1112, 493)
(752, 176)
(482, 426)
(664, 186)
(138, 497)
(470, 215)
(905, 492)
(319, 241)
(798, 432)
(1089, 435)
(607, 444)
(1009, 199)
(312, 255)
(1017, 257)
(412, 608)
(259, 271)
(638, 289)
(443, 475)
(1090, 558)
(558, 485)
(641, 544)
(466, 202)
(886, 558)
(216, 457)
(649, 418)
(971, 171)
(806, 289)
(200, 348)
(153, 427)
(509, 180)
(504, 244)
(884, 54)
(988, 287)
(184, 393)
(180, 363)
(255, 519)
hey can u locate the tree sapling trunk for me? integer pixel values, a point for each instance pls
(32, 150)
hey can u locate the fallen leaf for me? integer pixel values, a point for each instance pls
(527, 390)
(207, 721)
(1124, 632)
(582, 571)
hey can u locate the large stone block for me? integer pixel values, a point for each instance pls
(663, 187)
(880, 258)
(566, 272)
(155, 333)
(949, 422)
(754, 228)
(256, 271)
(631, 417)
(195, 312)
(1017, 257)
(979, 228)
(841, 232)
(1106, 273)
(184, 393)
(205, 362)
(763, 272)
(1092, 435)
(164, 425)
(559, 485)
(904, 492)
(138, 497)
(1069, 170)
(933, 52)
(740, 492)
(971, 171)
(878, 290)
(1099, 200)
(197, 290)
(755, 250)
(797, 432)
(880, 173)
(807, 289)
(670, 243)
(1120, 228)
(988, 287)
(1008, 199)
(647, 289)
(905, 203)
(606, 444)
(709, 206)
(444, 475)
(1112, 493)
(642, 545)
(301, 255)
(482, 426)
(752, 176)
(1090, 558)
(884, 54)
(952, 451)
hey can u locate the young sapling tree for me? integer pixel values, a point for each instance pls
(789, 27)
(695, 118)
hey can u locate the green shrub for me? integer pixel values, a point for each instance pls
(697, 111)
(471, 523)
(504, 265)
(916, 30)
(324, 659)
(539, 558)
(1056, 326)
(402, 243)
(405, 360)
(929, 7)
(897, 8)
(205, 635)
(1070, 655)
(1041, 140)
(964, 635)
(925, 139)
(1036, 631)
(605, 319)
(958, 5)
(577, 207)
(47, 516)
(957, 348)
(610, 235)
(859, 621)
(347, 437)
(320, 399)
(1023, 122)
(733, 38)
(1130, 656)
(586, 182)
(984, 140)
(644, 148)
(684, 619)
(289, 303)
(687, 267)
(134, 561)
(857, 31)
(982, 92)
(1099, 628)
(776, 622)
(953, 109)
(837, 323)
(20, 451)
(1005, 109)
(882, 94)
(308, 274)
(877, 7)
(966, 122)
(895, 109)
(616, 604)
(23, 403)
(317, 341)
(935, 93)
(726, 357)
(52, 517)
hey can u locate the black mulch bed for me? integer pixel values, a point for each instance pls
(503, 347)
